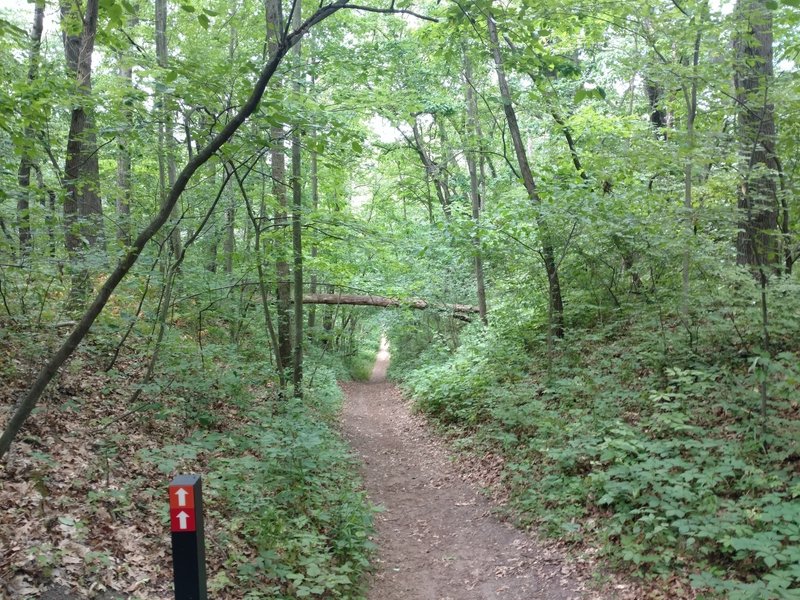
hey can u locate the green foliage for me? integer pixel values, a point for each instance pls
(461, 390)
(284, 485)
(641, 428)
(648, 442)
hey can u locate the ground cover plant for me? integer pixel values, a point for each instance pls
(639, 442)
(84, 491)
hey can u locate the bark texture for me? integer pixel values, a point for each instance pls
(278, 160)
(548, 255)
(83, 212)
(384, 302)
(757, 244)
(26, 162)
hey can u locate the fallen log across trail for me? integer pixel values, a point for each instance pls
(382, 301)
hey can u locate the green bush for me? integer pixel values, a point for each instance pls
(296, 523)
(645, 438)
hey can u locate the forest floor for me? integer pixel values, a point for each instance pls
(438, 536)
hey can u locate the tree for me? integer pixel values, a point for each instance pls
(166, 139)
(473, 136)
(758, 242)
(297, 225)
(548, 254)
(278, 162)
(66, 349)
(26, 162)
(83, 210)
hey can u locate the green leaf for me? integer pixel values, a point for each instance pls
(588, 92)
(115, 14)
(203, 20)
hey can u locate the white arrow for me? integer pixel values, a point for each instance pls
(181, 494)
(182, 518)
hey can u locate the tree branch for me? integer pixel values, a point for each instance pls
(392, 11)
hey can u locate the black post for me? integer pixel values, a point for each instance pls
(188, 538)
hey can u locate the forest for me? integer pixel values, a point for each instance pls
(573, 223)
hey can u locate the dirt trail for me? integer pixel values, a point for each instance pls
(437, 537)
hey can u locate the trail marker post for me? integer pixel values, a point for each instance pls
(188, 538)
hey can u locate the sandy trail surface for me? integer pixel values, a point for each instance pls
(437, 535)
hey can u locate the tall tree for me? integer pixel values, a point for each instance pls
(83, 211)
(474, 182)
(123, 196)
(274, 12)
(26, 162)
(556, 304)
(314, 181)
(297, 224)
(166, 135)
(757, 244)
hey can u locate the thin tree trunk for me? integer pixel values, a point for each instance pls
(432, 170)
(278, 160)
(166, 138)
(314, 177)
(123, 203)
(474, 191)
(228, 240)
(690, 97)
(297, 231)
(49, 206)
(556, 306)
(447, 159)
(262, 285)
(26, 162)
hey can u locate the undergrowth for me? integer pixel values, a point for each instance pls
(279, 482)
(285, 515)
(282, 485)
(643, 439)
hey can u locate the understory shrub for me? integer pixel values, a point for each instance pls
(283, 499)
(645, 435)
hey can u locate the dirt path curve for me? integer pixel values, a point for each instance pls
(437, 537)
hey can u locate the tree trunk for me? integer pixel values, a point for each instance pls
(474, 189)
(690, 97)
(757, 244)
(314, 176)
(49, 205)
(432, 170)
(278, 159)
(123, 203)
(166, 138)
(297, 224)
(228, 241)
(257, 222)
(556, 306)
(83, 211)
(26, 162)
(446, 160)
(384, 302)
